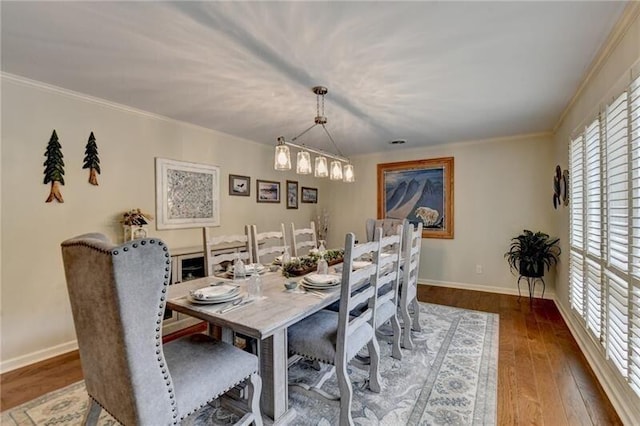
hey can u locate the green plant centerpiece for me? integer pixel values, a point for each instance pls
(530, 252)
(306, 264)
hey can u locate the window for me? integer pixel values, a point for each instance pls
(604, 231)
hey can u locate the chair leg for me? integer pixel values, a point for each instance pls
(346, 394)
(375, 379)
(397, 334)
(92, 414)
(407, 343)
(416, 315)
(254, 389)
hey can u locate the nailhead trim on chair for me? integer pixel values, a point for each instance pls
(107, 411)
(161, 306)
(216, 397)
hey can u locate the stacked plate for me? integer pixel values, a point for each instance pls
(320, 281)
(221, 293)
(249, 269)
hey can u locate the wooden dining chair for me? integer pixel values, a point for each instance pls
(303, 239)
(409, 284)
(118, 295)
(389, 226)
(267, 245)
(220, 250)
(388, 282)
(335, 338)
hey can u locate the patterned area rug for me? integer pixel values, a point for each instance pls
(450, 378)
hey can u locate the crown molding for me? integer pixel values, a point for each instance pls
(629, 15)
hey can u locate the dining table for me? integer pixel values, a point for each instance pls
(265, 319)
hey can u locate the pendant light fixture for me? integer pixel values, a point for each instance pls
(340, 167)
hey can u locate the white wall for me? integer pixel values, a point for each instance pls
(613, 73)
(500, 188)
(35, 313)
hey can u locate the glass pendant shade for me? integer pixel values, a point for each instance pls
(303, 165)
(336, 170)
(348, 173)
(282, 158)
(321, 169)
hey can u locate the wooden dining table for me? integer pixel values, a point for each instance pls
(266, 320)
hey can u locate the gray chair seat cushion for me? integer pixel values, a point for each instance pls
(315, 337)
(201, 367)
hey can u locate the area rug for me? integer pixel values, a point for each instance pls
(449, 378)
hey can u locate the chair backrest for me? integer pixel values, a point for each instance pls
(117, 296)
(411, 258)
(389, 226)
(267, 245)
(388, 274)
(352, 295)
(303, 239)
(225, 247)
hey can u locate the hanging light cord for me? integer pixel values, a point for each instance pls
(321, 119)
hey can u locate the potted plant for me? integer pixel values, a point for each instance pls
(530, 252)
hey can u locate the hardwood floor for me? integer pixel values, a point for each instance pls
(543, 378)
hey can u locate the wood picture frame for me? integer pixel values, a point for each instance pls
(420, 191)
(309, 195)
(187, 194)
(292, 194)
(267, 191)
(239, 185)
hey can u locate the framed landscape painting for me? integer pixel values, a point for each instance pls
(420, 191)
(187, 194)
(309, 195)
(292, 194)
(267, 191)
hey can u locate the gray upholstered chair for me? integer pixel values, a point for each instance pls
(303, 239)
(388, 281)
(389, 226)
(335, 338)
(215, 262)
(409, 290)
(118, 296)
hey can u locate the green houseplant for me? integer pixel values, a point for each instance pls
(530, 252)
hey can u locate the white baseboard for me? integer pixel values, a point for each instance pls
(548, 294)
(626, 405)
(37, 356)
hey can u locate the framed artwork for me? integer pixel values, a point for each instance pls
(267, 191)
(309, 195)
(292, 194)
(239, 185)
(420, 191)
(187, 194)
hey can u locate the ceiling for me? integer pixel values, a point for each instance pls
(427, 72)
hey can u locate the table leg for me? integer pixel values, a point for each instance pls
(272, 353)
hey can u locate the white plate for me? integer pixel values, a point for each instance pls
(212, 302)
(305, 284)
(316, 285)
(214, 292)
(322, 279)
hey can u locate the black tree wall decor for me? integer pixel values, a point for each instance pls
(91, 160)
(54, 168)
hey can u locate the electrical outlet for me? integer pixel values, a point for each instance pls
(478, 269)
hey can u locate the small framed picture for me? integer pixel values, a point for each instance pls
(309, 195)
(239, 185)
(292, 194)
(267, 191)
